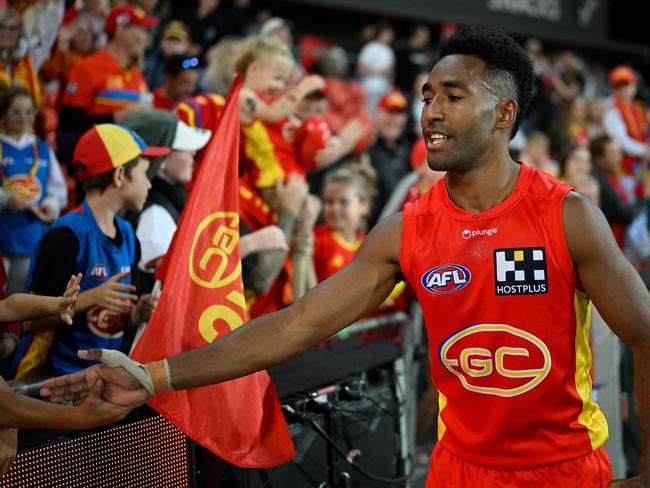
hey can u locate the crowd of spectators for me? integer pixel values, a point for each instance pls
(330, 143)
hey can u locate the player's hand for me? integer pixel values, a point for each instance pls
(8, 446)
(69, 299)
(110, 294)
(144, 308)
(94, 411)
(120, 386)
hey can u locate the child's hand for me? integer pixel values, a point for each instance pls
(309, 212)
(291, 195)
(69, 299)
(109, 295)
(16, 204)
(144, 308)
(309, 84)
(44, 212)
(331, 153)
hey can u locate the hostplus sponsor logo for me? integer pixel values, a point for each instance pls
(470, 234)
(520, 271)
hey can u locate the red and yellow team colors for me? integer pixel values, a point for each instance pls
(239, 420)
(22, 73)
(204, 112)
(268, 153)
(255, 214)
(508, 331)
(101, 86)
(331, 251)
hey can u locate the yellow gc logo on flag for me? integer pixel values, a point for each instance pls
(215, 264)
(215, 240)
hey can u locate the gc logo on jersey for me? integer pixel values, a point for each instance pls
(496, 359)
(446, 278)
(520, 271)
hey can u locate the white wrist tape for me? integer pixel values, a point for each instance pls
(116, 359)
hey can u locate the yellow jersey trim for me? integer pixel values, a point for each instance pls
(591, 416)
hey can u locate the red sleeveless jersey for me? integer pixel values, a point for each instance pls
(508, 329)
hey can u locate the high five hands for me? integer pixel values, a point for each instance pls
(125, 382)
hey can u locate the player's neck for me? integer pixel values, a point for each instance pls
(104, 208)
(483, 188)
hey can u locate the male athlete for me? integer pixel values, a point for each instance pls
(504, 260)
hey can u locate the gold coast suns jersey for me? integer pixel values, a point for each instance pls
(507, 327)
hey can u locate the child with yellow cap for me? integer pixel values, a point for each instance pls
(93, 240)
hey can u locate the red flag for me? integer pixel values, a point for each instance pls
(203, 300)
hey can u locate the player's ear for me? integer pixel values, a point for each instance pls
(506, 114)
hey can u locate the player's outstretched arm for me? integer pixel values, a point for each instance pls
(620, 296)
(336, 302)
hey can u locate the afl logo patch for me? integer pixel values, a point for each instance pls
(98, 272)
(496, 359)
(447, 278)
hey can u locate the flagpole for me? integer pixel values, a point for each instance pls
(155, 293)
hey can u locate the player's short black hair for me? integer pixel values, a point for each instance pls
(508, 66)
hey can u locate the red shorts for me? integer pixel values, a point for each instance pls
(449, 471)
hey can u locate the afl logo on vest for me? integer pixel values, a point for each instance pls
(447, 278)
(496, 359)
(98, 272)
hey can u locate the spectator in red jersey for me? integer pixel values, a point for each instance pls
(108, 85)
(347, 196)
(76, 41)
(624, 119)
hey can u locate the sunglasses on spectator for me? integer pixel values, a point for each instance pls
(190, 63)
